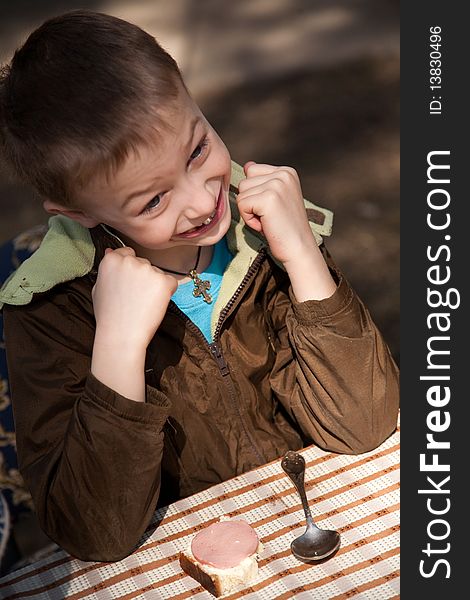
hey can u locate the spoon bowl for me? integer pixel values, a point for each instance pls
(314, 543)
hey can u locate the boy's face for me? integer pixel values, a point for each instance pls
(160, 197)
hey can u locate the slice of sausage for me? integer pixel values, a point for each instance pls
(224, 545)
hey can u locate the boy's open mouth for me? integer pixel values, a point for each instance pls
(211, 221)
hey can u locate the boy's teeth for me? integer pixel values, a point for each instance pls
(209, 219)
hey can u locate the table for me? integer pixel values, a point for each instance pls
(357, 495)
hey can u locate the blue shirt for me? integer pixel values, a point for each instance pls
(196, 309)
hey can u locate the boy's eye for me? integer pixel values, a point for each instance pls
(198, 150)
(154, 202)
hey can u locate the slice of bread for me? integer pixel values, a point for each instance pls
(220, 582)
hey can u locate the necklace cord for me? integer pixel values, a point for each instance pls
(200, 287)
(180, 272)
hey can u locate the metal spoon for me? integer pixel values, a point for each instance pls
(315, 543)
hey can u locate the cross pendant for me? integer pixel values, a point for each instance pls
(200, 287)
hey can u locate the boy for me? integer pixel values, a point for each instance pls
(172, 331)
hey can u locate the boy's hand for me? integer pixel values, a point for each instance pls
(130, 298)
(270, 201)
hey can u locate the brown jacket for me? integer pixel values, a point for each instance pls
(279, 375)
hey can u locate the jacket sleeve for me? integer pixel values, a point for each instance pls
(333, 371)
(90, 457)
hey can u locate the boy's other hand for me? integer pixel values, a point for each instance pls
(270, 201)
(130, 298)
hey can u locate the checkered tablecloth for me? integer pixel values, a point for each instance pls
(356, 495)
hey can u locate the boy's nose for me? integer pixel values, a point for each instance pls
(200, 203)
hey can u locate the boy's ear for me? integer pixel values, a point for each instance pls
(77, 215)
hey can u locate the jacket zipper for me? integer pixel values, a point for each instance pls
(249, 274)
(216, 350)
(217, 354)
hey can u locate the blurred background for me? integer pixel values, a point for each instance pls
(309, 83)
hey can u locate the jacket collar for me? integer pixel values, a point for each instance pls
(70, 250)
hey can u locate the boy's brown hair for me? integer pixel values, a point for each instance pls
(81, 93)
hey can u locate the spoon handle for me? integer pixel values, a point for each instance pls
(293, 465)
